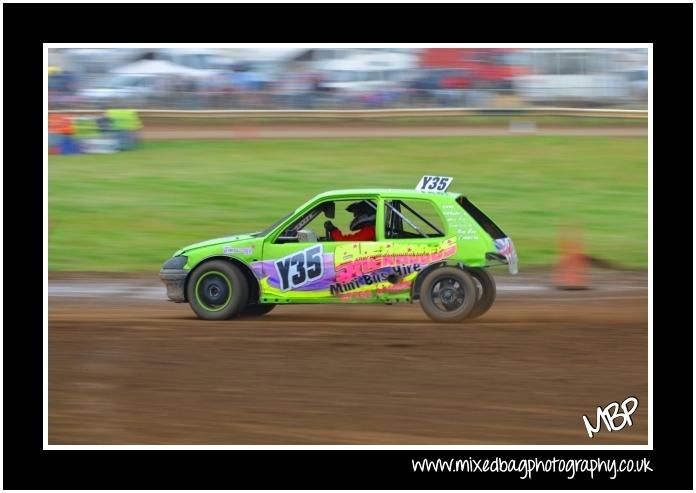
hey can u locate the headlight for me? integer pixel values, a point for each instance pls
(175, 263)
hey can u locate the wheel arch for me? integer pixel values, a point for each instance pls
(253, 282)
(415, 287)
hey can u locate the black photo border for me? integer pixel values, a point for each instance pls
(27, 26)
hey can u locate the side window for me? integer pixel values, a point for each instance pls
(343, 214)
(412, 219)
(353, 216)
(302, 230)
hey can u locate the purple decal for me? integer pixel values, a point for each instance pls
(267, 269)
(257, 269)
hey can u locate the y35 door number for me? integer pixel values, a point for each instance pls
(300, 268)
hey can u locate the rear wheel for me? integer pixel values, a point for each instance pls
(256, 310)
(485, 292)
(217, 290)
(447, 294)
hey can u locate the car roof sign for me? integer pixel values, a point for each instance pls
(434, 183)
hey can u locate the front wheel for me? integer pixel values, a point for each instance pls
(217, 290)
(448, 294)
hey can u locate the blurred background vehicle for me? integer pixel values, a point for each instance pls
(492, 68)
(637, 83)
(580, 77)
(118, 90)
(297, 78)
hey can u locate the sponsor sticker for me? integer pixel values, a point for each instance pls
(244, 250)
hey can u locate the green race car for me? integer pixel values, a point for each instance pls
(425, 244)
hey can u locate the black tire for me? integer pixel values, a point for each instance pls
(485, 292)
(447, 294)
(217, 290)
(256, 310)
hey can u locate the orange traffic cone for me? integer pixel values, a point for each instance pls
(572, 268)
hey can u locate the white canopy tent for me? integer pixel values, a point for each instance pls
(160, 67)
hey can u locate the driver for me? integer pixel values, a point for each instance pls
(363, 223)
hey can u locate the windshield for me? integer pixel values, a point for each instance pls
(273, 226)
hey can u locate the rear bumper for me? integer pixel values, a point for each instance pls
(175, 282)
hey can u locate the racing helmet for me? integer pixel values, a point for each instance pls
(364, 214)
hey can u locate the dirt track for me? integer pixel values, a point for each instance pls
(265, 131)
(140, 371)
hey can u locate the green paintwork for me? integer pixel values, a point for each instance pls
(465, 242)
(214, 242)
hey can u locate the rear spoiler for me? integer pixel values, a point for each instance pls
(483, 220)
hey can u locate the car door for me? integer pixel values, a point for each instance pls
(415, 237)
(301, 266)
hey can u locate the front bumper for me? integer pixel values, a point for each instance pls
(175, 281)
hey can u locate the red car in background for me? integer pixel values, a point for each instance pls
(484, 67)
